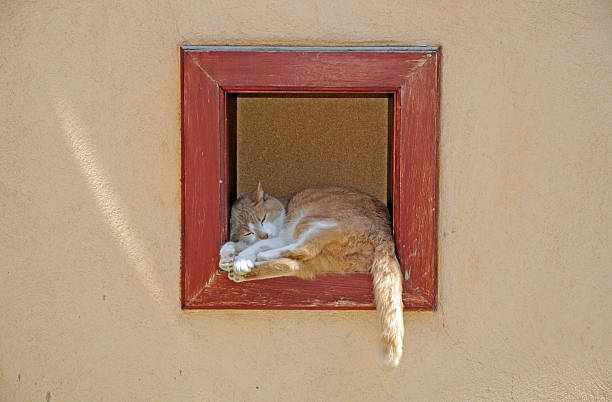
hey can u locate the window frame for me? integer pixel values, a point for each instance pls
(212, 75)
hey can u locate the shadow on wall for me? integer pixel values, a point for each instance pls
(107, 199)
(114, 212)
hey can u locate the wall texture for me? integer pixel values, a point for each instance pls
(294, 142)
(90, 216)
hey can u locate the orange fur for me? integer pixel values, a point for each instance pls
(324, 230)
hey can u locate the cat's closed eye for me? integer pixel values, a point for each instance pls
(264, 218)
(247, 234)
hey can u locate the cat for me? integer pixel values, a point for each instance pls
(320, 230)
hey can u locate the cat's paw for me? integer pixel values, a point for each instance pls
(235, 277)
(226, 256)
(226, 264)
(244, 263)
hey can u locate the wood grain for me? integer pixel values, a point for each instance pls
(416, 181)
(201, 171)
(326, 292)
(237, 71)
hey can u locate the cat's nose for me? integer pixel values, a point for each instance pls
(264, 236)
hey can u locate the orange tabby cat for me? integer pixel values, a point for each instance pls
(319, 231)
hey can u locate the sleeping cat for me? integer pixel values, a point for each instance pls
(320, 230)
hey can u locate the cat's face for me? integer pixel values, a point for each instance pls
(256, 216)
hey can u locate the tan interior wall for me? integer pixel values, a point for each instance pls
(294, 142)
(90, 208)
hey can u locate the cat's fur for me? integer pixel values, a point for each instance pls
(319, 231)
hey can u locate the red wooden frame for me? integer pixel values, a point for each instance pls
(211, 76)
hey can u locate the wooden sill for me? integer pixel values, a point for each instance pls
(325, 292)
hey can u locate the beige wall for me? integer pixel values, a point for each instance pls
(289, 143)
(90, 216)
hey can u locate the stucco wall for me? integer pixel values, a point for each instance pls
(90, 208)
(289, 143)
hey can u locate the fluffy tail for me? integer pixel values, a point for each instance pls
(388, 293)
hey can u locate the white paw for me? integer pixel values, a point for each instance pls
(226, 264)
(243, 264)
(226, 257)
(235, 277)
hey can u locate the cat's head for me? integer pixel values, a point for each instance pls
(256, 216)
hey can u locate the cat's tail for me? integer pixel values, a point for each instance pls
(388, 293)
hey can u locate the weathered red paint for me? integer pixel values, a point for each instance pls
(208, 170)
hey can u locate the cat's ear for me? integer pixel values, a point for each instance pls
(258, 195)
